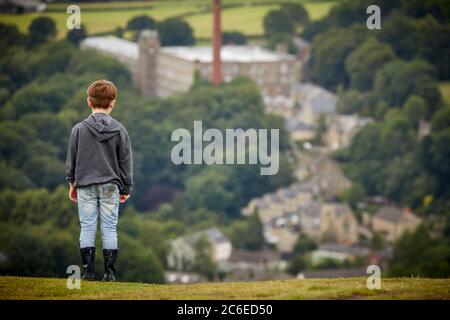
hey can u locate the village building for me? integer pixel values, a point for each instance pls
(245, 265)
(182, 277)
(313, 102)
(342, 128)
(165, 71)
(392, 221)
(338, 252)
(293, 210)
(22, 6)
(182, 252)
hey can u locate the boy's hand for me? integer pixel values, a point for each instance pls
(73, 196)
(124, 197)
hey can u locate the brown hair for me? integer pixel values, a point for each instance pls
(101, 93)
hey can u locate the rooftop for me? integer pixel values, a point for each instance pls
(214, 235)
(395, 214)
(229, 53)
(113, 45)
(320, 99)
(203, 54)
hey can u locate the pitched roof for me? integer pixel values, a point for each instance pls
(113, 45)
(320, 99)
(390, 213)
(229, 53)
(214, 235)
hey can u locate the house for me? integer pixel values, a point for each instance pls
(182, 277)
(338, 252)
(313, 101)
(165, 71)
(21, 6)
(280, 105)
(342, 128)
(392, 221)
(183, 249)
(327, 175)
(299, 131)
(333, 273)
(245, 265)
(338, 224)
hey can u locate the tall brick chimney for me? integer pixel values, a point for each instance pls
(217, 43)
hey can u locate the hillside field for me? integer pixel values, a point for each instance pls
(245, 16)
(343, 288)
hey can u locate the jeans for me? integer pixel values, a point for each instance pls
(95, 200)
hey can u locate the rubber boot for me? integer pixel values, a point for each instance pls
(88, 260)
(110, 257)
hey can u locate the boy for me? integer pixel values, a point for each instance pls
(99, 169)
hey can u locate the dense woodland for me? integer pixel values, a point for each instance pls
(392, 75)
(44, 94)
(389, 74)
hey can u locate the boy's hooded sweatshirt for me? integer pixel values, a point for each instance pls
(99, 152)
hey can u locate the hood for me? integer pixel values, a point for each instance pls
(102, 125)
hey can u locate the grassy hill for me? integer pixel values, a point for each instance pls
(344, 288)
(245, 16)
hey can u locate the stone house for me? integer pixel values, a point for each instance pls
(182, 250)
(392, 221)
(313, 101)
(342, 128)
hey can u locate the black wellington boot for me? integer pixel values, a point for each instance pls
(88, 260)
(110, 256)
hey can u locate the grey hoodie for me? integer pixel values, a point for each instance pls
(99, 152)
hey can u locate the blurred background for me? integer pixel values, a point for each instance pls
(364, 119)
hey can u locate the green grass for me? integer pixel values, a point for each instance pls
(96, 21)
(105, 17)
(444, 87)
(247, 19)
(344, 288)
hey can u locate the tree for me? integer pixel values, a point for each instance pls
(304, 245)
(10, 36)
(175, 32)
(296, 264)
(434, 45)
(397, 80)
(350, 101)
(254, 236)
(362, 64)
(277, 21)
(354, 194)
(321, 129)
(76, 35)
(432, 8)
(329, 69)
(41, 30)
(137, 262)
(402, 34)
(141, 22)
(233, 37)
(208, 189)
(296, 12)
(203, 262)
(415, 109)
(420, 254)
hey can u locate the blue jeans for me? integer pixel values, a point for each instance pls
(95, 200)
